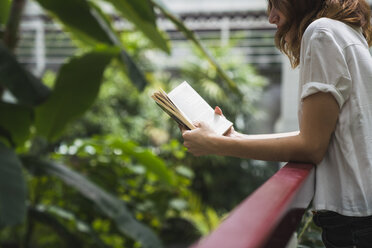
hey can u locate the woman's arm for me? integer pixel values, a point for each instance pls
(265, 136)
(319, 117)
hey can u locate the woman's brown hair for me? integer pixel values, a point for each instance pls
(300, 13)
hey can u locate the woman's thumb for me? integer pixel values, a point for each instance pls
(197, 123)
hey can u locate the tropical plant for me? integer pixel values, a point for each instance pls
(31, 125)
(123, 113)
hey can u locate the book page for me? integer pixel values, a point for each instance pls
(168, 106)
(195, 108)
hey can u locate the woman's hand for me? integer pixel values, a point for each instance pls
(199, 141)
(202, 140)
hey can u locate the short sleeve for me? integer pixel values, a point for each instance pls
(325, 68)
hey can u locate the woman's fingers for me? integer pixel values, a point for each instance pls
(218, 111)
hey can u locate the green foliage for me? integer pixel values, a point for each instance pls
(90, 26)
(4, 11)
(12, 188)
(102, 170)
(309, 234)
(108, 204)
(151, 199)
(16, 126)
(80, 80)
(192, 37)
(141, 13)
(145, 157)
(79, 17)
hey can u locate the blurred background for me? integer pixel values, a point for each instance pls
(89, 160)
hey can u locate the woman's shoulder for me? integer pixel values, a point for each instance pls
(326, 24)
(323, 22)
(340, 31)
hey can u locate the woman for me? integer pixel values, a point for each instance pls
(329, 40)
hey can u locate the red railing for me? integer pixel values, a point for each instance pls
(270, 215)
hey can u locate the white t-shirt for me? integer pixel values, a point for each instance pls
(335, 58)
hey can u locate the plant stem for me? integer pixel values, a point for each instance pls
(10, 37)
(306, 226)
(29, 230)
(30, 226)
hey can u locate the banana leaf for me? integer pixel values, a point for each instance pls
(75, 90)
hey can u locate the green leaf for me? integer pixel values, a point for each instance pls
(89, 24)
(76, 87)
(145, 157)
(16, 120)
(141, 14)
(192, 37)
(77, 15)
(132, 70)
(4, 11)
(24, 86)
(12, 189)
(111, 206)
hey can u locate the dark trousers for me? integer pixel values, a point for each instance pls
(339, 231)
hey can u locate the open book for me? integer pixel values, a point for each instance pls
(185, 106)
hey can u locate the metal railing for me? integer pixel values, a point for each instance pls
(269, 216)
